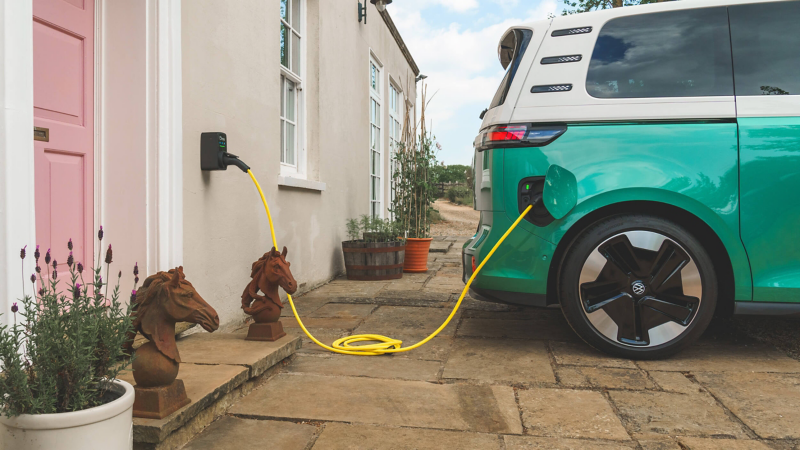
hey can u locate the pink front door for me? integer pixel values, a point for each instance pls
(63, 102)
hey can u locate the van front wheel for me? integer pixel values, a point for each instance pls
(638, 286)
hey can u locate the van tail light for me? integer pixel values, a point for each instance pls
(518, 135)
(474, 266)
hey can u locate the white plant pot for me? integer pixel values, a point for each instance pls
(107, 427)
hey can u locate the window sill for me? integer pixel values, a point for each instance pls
(299, 183)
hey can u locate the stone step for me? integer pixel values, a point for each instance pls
(217, 369)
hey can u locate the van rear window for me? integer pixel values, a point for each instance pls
(668, 54)
(514, 47)
(766, 48)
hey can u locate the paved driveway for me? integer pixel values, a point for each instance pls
(502, 377)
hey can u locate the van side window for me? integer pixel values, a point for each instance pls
(521, 38)
(668, 54)
(766, 48)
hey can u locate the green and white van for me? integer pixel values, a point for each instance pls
(660, 145)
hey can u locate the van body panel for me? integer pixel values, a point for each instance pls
(693, 166)
(770, 182)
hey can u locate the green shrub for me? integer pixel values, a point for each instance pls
(456, 192)
(373, 229)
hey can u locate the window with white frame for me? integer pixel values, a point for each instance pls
(395, 129)
(375, 141)
(291, 115)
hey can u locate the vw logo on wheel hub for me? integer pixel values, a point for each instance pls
(638, 287)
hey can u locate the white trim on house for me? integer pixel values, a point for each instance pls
(299, 169)
(17, 212)
(169, 185)
(376, 179)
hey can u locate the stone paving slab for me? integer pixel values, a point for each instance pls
(580, 354)
(347, 288)
(231, 433)
(542, 443)
(342, 311)
(605, 377)
(568, 413)
(392, 320)
(492, 360)
(516, 329)
(304, 305)
(662, 413)
(324, 335)
(204, 385)
(517, 314)
(490, 409)
(386, 367)
(726, 358)
(315, 323)
(675, 382)
(339, 436)
(660, 444)
(437, 349)
(721, 444)
(440, 246)
(767, 403)
(232, 349)
(446, 284)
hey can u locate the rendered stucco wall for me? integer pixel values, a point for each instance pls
(231, 83)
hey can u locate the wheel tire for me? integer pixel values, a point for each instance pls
(622, 313)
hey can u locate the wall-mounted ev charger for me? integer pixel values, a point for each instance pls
(214, 153)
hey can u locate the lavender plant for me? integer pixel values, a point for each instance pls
(62, 354)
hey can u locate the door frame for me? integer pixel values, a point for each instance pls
(164, 155)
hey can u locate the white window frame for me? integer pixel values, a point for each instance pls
(396, 109)
(299, 168)
(376, 96)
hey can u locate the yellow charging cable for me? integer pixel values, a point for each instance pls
(386, 344)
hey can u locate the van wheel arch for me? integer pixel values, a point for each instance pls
(698, 227)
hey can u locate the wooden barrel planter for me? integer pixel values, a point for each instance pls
(374, 261)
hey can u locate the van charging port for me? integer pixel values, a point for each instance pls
(529, 191)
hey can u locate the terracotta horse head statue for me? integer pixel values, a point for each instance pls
(269, 272)
(165, 299)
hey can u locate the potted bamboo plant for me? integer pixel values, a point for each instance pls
(414, 189)
(60, 356)
(375, 250)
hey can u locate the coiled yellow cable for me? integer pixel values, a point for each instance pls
(385, 344)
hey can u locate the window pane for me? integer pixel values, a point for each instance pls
(290, 98)
(296, 18)
(295, 53)
(669, 54)
(284, 45)
(372, 76)
(285, 10)
(766, 48)
(290, 144)
(283, 141)
(283, 96)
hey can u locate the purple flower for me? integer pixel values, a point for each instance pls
(36, 254)
(41, 292)
(136, 269)
(69, 244)
(109, 253)
(133, 295)
(38, 269)
(22, 252)
(136, 280)
(14, 308)
(47, 257)
(77, 291)
(55, 264)
(55, 274)
(80, 268)
(33, 278)
(100, 233)
(120, 274)
(70, 260)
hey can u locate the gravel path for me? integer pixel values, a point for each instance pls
(459, 220)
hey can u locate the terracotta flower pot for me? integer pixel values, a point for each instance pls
(417, 255)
